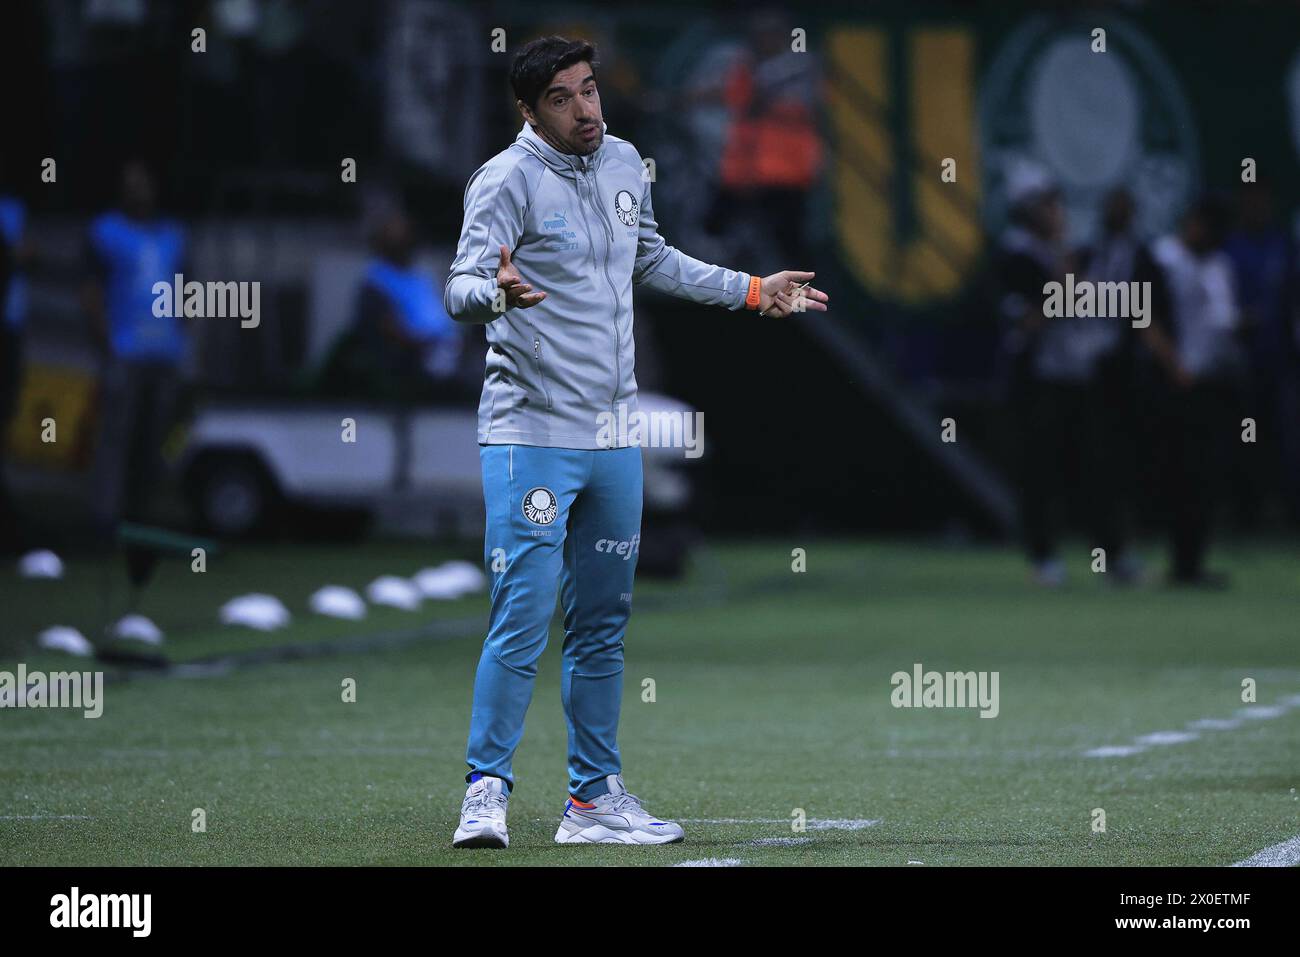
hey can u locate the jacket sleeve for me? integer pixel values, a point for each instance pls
(668, 270)
(496, 200)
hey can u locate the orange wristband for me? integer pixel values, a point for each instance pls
(754, 297)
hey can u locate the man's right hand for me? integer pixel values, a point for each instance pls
(518, 292)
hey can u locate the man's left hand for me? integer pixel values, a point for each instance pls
(780, 295)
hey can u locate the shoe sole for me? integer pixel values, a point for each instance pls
(599, 834)
(482, 839)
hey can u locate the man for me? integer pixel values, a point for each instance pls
(1263, 260)
(1118, 353)
(129, 250)
(1199, 401)
(401, 344)
(15, 253)
(558, 228)
(1047, 366)
(773, 151)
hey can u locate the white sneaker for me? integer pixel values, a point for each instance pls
(615, 817)
(483, 815)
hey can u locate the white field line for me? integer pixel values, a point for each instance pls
(1114, 751)
(712, 862)
(813, 824)
(45, 817)
(1167, 737)
(779, 842)
(1256, 712)
(1259, 712)
(1214, 724)
(1286, 854)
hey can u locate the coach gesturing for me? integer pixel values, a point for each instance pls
(558, 228)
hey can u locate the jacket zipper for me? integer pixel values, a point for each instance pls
(541, 370)
(609, 251)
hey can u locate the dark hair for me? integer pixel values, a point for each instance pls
(540, 60)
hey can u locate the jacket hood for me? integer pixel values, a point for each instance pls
(563, 163)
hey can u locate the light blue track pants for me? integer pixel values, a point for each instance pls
(565, 519)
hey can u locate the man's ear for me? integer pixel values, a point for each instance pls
(526, 113)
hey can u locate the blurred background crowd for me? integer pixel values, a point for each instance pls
(780, 137)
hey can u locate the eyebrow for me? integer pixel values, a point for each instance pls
(558, 88)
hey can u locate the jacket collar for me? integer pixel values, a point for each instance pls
(560, 162)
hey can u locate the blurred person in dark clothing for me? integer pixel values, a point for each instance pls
(128, 250)
(401, 346)
(16, 256)
(1062, 371)
(19, 256)
(10, 377)
(1120, 255)
(401, 316)
(1199, 401)
(1262, 256)
(401, 343)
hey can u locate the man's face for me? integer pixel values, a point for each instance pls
(568, 111)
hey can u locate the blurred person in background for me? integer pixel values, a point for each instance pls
(1262, 257)
(401, 346)
(773, 150)
(15, 255)
(128, 250)
(1060, 369)
(401, 343)
(1114, 347)
(1199, 401)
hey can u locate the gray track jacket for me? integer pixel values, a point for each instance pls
(582, 229)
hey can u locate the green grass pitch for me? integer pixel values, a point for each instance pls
(772, 693)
